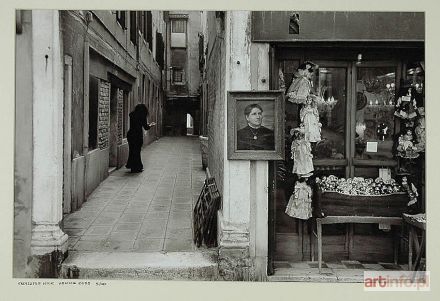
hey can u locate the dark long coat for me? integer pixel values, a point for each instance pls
(135, 137)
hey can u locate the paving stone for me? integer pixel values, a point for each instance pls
(158, 208)
(181, 207)
(105, 220)
(98, 230)
(161, 202)
(73, 231)
(141, 204)
(123, 236)
(114, 208)
(136, 210)
(99, 237)
(117, 245)
(131, 218)
(174, 244)
(150, 245)
(182, 200)
(152, 232)
(79, 224)
(180, 215)
(179, 224)
(158, 215)
(127, 227)
(179, 233)
(373, 266)
(158, 224)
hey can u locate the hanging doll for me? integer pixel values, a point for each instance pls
(406, 147)
(406, 106)
(310, 118)
(420, 134)
(300, 202)
(301, 154)
(301, 84)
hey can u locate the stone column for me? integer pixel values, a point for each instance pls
(243, 222)
(234, 219)
(47, 166)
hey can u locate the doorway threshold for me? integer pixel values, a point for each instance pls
(111, 169)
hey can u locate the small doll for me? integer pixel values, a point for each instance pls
(406, 147)
(382, 131)
(420, 134)
(301, 84)
(406, 106)
(300, 202)
(301, 154)
(310, 118)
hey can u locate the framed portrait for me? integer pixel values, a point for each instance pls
(255, 125)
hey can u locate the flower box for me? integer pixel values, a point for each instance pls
(338, 204)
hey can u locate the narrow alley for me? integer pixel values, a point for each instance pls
(148, 212)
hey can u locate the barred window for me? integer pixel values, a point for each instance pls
(178, 75)
(178, 26)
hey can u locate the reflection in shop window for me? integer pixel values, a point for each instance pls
(330, 85)
(374, 127)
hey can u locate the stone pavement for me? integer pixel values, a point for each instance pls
(146, 212)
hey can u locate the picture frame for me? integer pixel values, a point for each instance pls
(255, 125)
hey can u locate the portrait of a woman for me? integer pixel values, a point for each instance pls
(255, 136)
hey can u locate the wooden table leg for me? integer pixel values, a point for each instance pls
(410, 248)
(347, 230)
(350, 240)
(319, 230)
(396, 243)
(301, 237)
(312, 242)
(419, 253)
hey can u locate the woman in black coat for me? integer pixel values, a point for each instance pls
(135, 137)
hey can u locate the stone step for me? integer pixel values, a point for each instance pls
(200, 265)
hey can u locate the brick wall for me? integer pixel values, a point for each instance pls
(216, 108)
(120, 115)
(103, 114)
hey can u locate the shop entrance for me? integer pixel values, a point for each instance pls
(356, 89)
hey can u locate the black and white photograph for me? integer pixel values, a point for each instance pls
(220, 145)
(254, 124)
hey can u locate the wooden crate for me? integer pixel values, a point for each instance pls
(337, 204)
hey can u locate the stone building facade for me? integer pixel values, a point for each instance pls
(247, 51)
(79, 75)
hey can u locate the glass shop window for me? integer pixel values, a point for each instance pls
(415, 73)
(375, 100)
(330, 84)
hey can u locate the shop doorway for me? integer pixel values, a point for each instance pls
(357, 105)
